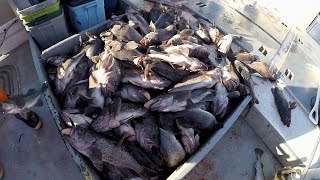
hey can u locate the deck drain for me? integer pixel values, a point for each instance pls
(9, 80)
(289, 74)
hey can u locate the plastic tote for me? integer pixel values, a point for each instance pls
(87, 15)
(50, 32)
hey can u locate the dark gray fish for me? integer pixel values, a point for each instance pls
(184, 62)
(126, 132)
(94, 46)
(284, 107)
(147, 133)
(155, 12)
(189, 139)
(116, 173)
(170, 148)
(191, 50)
(119, 114)
(100, 150)
(141, 156)
(184, 35)
(220, 101)
(169, 102)
(123, 51)
(80, 73)
(126, 33)
(242, 56)
(158, 36)
(97, 98)
(76, 95)
(65, 72)
(197, 81)
(213, 32)
(182, 24)
(73, 117)
(162, 68)
(152, 82)
(245, 74)
(201, 95)
(261, 69)
(133, 93)
(258, 165)
(56, 60)
(196, 118)
(224, 43)
(23, 102)
(135, 17)
(229, 78)
(200, 31)
(166, 18)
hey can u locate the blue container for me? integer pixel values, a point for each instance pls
(87, 15)
(110, 6)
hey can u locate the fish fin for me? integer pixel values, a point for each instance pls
(85, 97)
(95, 155)
(258, 152)
(97, 165)
(292, 105)
(122, 139)
(152, 26)
(131, 23)
(131, 45)
(96, 59)
(234, 95)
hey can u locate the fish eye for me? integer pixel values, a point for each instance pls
(115, 83)
(81, 130)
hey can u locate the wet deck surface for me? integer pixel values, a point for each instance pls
(26, 153)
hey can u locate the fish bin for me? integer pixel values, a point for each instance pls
(87, 15)
(161, 102)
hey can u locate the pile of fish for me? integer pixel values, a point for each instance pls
(141, 98)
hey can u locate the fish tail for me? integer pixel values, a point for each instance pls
(258, 152)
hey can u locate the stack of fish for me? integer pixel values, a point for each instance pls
(142, 97)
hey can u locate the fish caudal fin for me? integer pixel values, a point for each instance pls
(258, 152)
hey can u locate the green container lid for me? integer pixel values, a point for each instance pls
(48, 10)
(43, 19)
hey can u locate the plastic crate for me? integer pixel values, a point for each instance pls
(110, 6)
(43, 19)
(50, 32)
(32, 13)
(87, 15)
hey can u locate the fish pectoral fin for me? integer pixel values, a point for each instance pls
(152, 27)
(292, 105)
(122, 139)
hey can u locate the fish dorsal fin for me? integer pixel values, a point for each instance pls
(131, 45)
(292, 105)
(152, 27)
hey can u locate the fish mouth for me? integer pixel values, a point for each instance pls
(67, 132)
